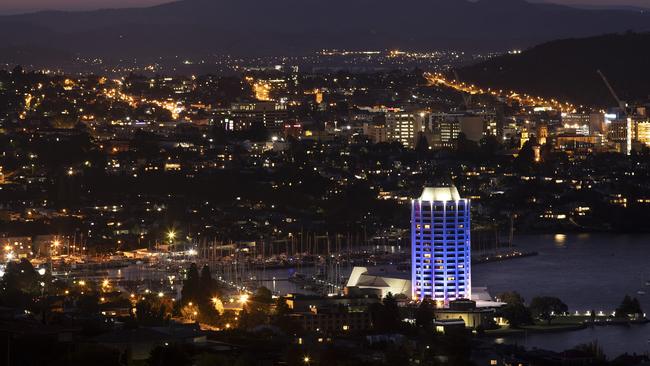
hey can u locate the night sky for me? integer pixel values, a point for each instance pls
(17, 6)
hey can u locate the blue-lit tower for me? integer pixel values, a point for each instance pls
(440, 246)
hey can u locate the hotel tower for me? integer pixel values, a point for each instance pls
(440, 246)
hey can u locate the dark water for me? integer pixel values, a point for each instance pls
(614, 340)
(587, 271)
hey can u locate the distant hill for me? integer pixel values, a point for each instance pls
(567, 69)
(262, 27)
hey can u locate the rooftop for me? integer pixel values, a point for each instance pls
(440, 194)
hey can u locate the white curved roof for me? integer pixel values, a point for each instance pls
(440, 194)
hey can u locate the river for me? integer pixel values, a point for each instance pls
(587, 271)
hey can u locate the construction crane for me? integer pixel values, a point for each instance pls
(628, 129)
(621, 104)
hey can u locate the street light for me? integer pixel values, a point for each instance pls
(171, 235)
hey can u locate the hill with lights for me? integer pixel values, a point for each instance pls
(567, 69)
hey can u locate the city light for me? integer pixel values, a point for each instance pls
(171, 235)
(273, 192)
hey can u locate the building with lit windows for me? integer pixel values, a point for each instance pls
(619, 133)
(642, 132)
(403, 127)
(440, 246)
(268, 114)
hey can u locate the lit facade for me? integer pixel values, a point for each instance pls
(403, 127)
(642, 132)
(271, 115)
(440, 246)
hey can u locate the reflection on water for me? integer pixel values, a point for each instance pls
(615, 340)
(587, 271)
(560, 240)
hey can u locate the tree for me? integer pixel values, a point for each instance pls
(190, 311)
(466, 148)
(252, 316)
(191, 285)
(516, 314)
(20, 284)
(515, 311)
(489, 145)
(525, 160)
(263, 295)
(206, 283)
(424, 315)
(385, 315)
(282, 318)
(281, 307)
(256, 311)
(545, 307)
(218, 305)
(153, 311)
(630, 307)
(392, 311)
(512, 297)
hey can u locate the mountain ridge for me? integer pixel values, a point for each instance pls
(257, 27)
(567, 69)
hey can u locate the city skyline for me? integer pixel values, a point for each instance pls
(309, 183)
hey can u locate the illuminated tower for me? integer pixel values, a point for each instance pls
(440, 245)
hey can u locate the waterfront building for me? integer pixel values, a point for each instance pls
(440, 245)
(473, 317)
(382, 283)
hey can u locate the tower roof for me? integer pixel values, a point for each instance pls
(440, 194)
